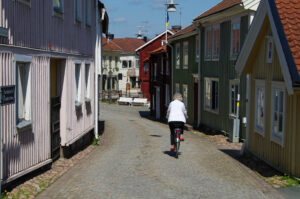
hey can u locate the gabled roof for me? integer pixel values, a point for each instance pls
(152, 40)
(223, 5)
(160, 49)
(284, 16)
(129, 45)
(189, 29)
(111, 46)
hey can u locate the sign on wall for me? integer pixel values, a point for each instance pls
(7, 95)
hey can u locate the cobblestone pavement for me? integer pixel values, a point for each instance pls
(134, 162)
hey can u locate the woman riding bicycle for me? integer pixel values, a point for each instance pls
(176, 116)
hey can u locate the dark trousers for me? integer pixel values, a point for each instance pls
(172, 126)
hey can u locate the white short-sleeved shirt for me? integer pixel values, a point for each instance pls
(176, 112)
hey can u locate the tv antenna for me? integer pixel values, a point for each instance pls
(140, 35)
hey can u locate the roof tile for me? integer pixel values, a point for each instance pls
(127, 45)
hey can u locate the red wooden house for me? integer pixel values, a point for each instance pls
(160, 81)
(144, 53)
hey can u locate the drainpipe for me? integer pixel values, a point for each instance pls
(0, 145)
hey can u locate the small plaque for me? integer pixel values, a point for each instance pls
(7, 95)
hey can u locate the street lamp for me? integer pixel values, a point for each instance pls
(170, 7)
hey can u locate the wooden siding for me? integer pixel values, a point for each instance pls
(76, 123)
(185, 76)
(26, 149)
(286, 157)
(62, 32)
(224, 70)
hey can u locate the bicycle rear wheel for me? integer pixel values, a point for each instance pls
(177, 145)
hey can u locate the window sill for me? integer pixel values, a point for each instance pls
(233, 58)
(259, 131)
(233, 116)
(185, 67)
(211, 111)
(78, 104)
(24, 126)
(58, 14)
(277, 139)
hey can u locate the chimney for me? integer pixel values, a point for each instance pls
(110, 37)
(176, 28)
(145, 39)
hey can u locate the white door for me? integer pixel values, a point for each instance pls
(157, 103)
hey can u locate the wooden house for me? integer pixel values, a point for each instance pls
(48, 51)
(270, 59)
(222, 31)
(185, 45)
(144, 55)
(160, 81)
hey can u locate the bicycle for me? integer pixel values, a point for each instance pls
(178, 131)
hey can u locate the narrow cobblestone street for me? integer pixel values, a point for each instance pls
(134, 162)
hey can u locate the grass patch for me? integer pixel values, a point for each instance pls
(95, 141)
(283, 181)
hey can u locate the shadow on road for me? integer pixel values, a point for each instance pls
(158, 136)
(252, 163)
(171, 153)
(101, 126)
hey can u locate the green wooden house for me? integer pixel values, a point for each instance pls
(223, 30)
(185, 69)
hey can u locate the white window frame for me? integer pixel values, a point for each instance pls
(207, 51)
(58, 11)
(177, 88)
(185, 54)
(77, 95)
(270, 51)
(27, 122)
(209, 101)
(88, 12)
(177, 56)
(185, 94)
(78, 11)
(233, 83)
(274, 136)
(233, 55)
(260, 129)
(87, 81)
(215, 55)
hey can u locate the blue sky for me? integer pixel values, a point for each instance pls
(126, 15)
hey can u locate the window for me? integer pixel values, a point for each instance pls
(278, 113)
(162, 65)
(155, 71)
(137, 63)
(23, 81)
(197, 48)
(270, 50)
(124, 64)
(167, 102)
(78, 11)
(216, 42)
(185, 94)
(133, 82)
(88, 8)
(130, 63)
(211, 100)
(260, 106)
(110, 61)
(58, 6)
(87, 81)
(77, 84)
(177, 88)
(235, 38)
(234, 91)
(185, 54)
(27, 2)
(177, 51)
(208, 42)
(116, 62)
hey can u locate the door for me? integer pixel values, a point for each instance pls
(196, 104)
(157, 108)
(55, 108)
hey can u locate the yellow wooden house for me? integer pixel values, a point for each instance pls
(270, 58)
